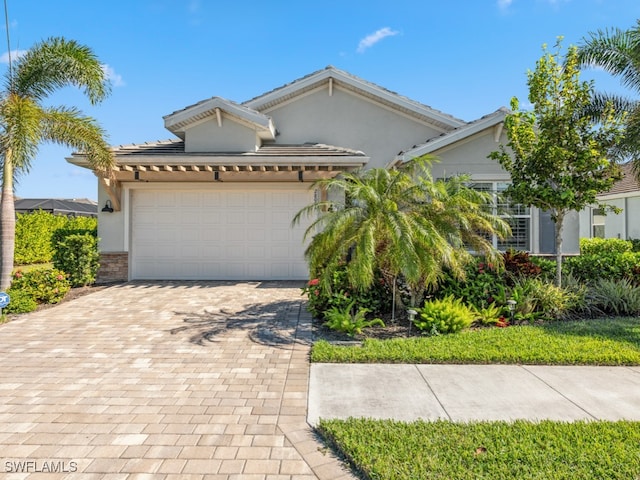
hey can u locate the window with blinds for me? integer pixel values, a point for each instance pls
(518, 217)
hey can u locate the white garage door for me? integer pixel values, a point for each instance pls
(228, 232)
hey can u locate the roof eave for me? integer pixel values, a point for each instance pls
(472, 128)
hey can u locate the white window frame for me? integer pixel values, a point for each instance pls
(497, 186)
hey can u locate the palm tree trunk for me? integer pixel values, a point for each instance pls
(7, 224)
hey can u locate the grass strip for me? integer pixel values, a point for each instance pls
(391, 450)
(610, 341)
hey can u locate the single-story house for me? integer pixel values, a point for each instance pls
(625, 195)
(70, 207)
(216, 201)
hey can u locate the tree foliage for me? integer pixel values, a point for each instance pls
(617, 52)
(26, 122)
(400, 222)
(559, 159)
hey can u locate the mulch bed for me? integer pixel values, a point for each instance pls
(393, 329)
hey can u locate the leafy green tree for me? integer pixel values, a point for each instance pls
(25, 122)
(558, 159)
(617, 52)
(399, 222)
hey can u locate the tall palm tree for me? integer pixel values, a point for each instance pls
(400, 222)
(617, 52)
(25, 122)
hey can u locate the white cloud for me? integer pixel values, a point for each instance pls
(374, 38)
(504, 4)
(115, 78)
(194, 6)
(4, 58)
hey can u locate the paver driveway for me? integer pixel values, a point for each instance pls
(162, 380)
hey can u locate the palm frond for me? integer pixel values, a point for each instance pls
(67, 126)
(21, 130)
(55, 63)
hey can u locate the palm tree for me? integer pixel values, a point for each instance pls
(25, 122)
(399, 222)
(617, 52)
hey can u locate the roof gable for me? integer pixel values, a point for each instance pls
(217, 107)
(335, 77)
(493, 120)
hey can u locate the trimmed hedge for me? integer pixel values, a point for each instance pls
(37, 234)
(77, 254)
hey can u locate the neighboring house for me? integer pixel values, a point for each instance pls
(625, 195)
(217, 201)
(69, 207)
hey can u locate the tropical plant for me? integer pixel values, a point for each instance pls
(483, 285)
(445, 315)
(536, 299)
(617, 52)
(343, 320)
(559, 159)
(26, 122)
(490, 315)
(615, 297)
(401, 223)
(376, 298)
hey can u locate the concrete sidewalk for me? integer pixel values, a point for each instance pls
(473, 392)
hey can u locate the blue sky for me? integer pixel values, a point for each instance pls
(464, 57)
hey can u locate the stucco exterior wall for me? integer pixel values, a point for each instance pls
(230, 137)
(632, 213)
(471, 157)
(348, 120)
(110, 225)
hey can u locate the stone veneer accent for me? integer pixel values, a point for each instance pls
(114, 267)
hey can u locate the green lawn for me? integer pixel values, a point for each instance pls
(610, 341)
(389, 450)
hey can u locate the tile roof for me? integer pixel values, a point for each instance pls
(628, 183)
(176, 148)
(82, 207)
(345, 79)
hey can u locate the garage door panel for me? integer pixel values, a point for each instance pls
(232, 233)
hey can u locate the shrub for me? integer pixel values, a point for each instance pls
(36, 234)
(519, 264)
(547, 268)
(33, 236)
(482, 286)
(78, 256)
(343, 320)
(21, 302)
(376, 299)
(44, 285)
(615, 297)
(446, 315)
(611, 265)
(604, 246)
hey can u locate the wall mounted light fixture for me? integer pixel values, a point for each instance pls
(107, 207)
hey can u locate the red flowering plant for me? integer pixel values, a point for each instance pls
(321, 298)
(44, 285)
